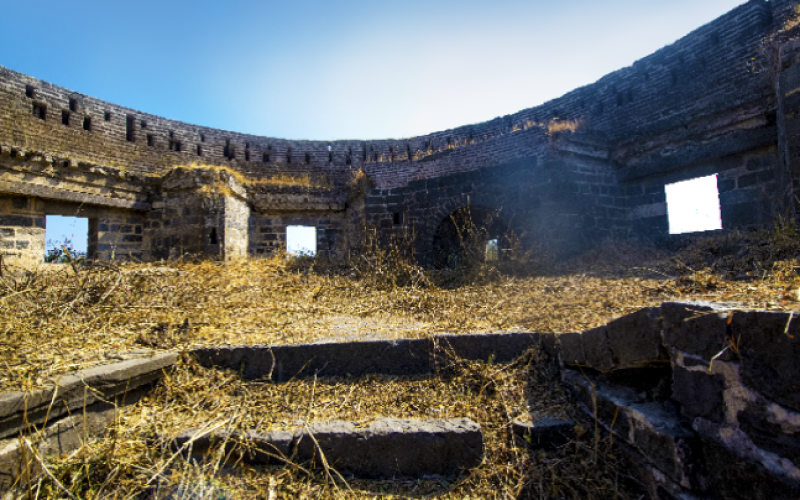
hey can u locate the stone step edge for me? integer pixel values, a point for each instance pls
(384, 449)
(392, 356)
(71, 392)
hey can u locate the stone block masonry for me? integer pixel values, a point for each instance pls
(696, 422)
(587, 166)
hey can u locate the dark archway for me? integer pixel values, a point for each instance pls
(470, 235)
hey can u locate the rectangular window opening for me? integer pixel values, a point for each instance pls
(150, 140)
(199, 150)
(693, 205)
(265, 158)
(492, 251)
(175, 146)
(129, 128)
(107, 116)
(69, 232)
(301, 241)
(397, 218)
(87, 123)
(30, 91)
(73, 105)
(40, 111)
(65, 118)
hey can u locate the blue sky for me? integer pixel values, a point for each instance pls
(306, 69)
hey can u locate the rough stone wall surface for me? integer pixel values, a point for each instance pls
(268, 231)
(720, 416)
(116, 235)
(556, 192)
(718, 101)
(22, 229)
(237, 217)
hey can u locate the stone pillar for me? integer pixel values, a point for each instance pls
(22, 230)
(202, 212)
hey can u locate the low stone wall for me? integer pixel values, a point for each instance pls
(393, 357)
(55, 420)
(705, 398)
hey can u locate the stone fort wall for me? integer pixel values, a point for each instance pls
(720, 100)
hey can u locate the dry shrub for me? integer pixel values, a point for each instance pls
(743, 252)
(360, 182)
(556, 125)
(474, 262)
(389, 264)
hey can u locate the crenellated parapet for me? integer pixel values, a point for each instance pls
(589, 165)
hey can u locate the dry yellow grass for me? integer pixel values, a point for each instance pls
(65, 319)
(134, 458)
(302, 180)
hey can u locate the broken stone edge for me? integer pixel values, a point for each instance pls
(105, 383)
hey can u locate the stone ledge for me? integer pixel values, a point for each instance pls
(17, 463)
(108, 383)
(648, 426)
(387, 448)
(392, 357)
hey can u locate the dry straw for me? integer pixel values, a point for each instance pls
(65, 317)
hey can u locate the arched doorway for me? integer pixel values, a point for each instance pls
(470, 235)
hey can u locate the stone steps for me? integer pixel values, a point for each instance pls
(385, 449)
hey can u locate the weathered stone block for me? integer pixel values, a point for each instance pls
(651, 427)
(772, 428)
(571, 348)
(400, 357)
(70, 393)
(547, 433)
(697, 328)
(391, 448)
(699, 393)
(17, 464)
(735, 478)
(500, 348)
(635, 339)
(596, 351)
(547, 341)
(769, 346)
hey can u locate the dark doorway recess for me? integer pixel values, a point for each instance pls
(470, 235)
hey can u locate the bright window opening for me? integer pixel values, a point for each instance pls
(492, 250)
(693, 205)
(70, 232)
(301, 240)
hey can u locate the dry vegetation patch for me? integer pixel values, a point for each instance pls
(64, 318)
(135, 459)
(67, 317)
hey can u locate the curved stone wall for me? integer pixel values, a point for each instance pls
(714, 102)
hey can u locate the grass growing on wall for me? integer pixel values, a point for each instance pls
(302, 180)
